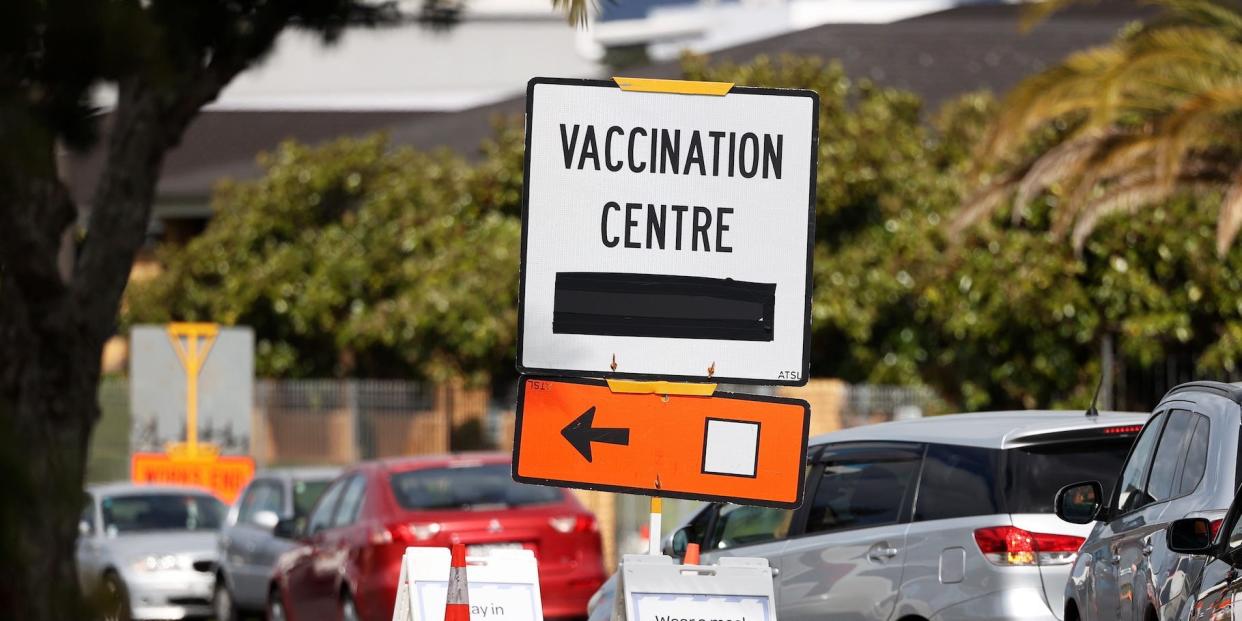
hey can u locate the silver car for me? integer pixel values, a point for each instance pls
(249, 546)
(1185, 464)
(149, 551)
(941, 518)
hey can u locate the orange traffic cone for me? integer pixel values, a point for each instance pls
(457, 604)
(692, 555)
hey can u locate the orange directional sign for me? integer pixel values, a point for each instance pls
(224, 475)
(749, 449)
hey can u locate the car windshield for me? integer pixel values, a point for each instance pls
(305, 493)
(161, 511)
(475, 488)
(1036, 473)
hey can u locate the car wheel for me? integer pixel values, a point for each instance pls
(114, 600)
(222, 602)
(275, 608)
(349, 612)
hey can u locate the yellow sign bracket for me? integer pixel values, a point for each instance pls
(677, 87)
(192, 357)
(662, 387)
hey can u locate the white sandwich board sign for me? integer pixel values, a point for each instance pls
(653, 588)
(501, 586)
(667, 234)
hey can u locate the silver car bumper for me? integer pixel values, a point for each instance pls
(169, 594)
(1016, 603)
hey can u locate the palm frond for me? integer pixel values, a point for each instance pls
(577, 12)
(1230, 220)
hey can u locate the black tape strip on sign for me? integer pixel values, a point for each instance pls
(656, 305)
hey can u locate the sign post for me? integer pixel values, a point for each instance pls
(192, 358)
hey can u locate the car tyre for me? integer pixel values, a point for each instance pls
(275, 607)
(349, 612)
(114, 599)
(222, 601)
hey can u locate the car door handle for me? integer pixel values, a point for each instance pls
(880, 555)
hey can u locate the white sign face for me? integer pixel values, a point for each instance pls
(669, 234)
(501, 586)
(661, 607)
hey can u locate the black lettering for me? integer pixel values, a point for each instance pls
(630, 223)
(742, 156)
(589, 148)
(716, 136)
(566, 142)
(635, 132)
(679, 210)
(701, 228)
(732, 152)
(608, 149)
(721, 227)
(655, 224)
(603, 225)
(655, 143)
(772, 156)
(670, 149)
(695, 155)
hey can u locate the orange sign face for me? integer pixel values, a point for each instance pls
(225, 476)
(748, 449)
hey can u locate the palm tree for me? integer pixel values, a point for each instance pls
(1155, 113)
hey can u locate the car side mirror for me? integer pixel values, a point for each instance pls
(288, 528)
(680, 540)
(266, 520)
(1191, 536)
(1080, 503)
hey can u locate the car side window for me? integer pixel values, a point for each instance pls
(1196, 457)
(321, 516)
(351, 501)
(738, 525)
(1170, 455)
(696, 529)
(862, 487)
(1131, 486)
(958, 481)
(269, 496)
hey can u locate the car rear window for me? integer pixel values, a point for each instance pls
(1034, 474)
(305, 493)
(471, 488)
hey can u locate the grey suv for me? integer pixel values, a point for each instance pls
(948, 517)
(1184, 465)
(248, 544)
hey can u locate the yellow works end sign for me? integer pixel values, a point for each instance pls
(225, 475)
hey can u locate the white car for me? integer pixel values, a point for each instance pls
(149, 551)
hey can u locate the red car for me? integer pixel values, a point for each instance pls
(346, 565)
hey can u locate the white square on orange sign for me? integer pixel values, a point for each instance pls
(731, 447)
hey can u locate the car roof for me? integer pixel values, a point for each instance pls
(125, 487)
(982, 429)
(299, 472)
(400, 464)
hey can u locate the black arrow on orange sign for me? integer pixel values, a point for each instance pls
(581, 434)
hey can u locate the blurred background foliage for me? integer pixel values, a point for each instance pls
(359, 259)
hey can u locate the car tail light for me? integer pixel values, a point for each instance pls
(1216, 527)
(574, 524)
(1123, 430)
(1010, 545)
(406, 534)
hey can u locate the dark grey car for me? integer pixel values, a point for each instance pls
(248, 546)
(1184, 464)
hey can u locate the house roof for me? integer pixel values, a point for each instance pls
(938, 56)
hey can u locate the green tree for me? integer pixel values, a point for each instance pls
(60, 286)
(353, 259)
(1154, 114)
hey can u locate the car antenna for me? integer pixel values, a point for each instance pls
(1092, 411)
